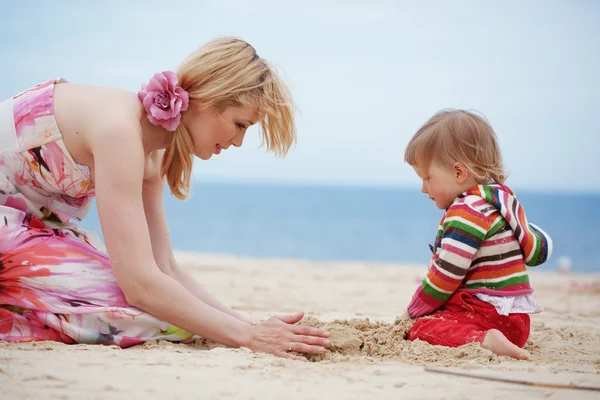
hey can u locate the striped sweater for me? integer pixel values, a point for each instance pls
(483, 245)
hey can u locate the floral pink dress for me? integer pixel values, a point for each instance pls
(54, 283)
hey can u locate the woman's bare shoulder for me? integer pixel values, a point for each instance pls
(92, 117)
(96, 108)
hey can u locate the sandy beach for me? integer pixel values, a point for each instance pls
(369, 358)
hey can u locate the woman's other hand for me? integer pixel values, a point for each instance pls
(279, 336)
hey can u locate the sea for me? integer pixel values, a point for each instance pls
(363, 224)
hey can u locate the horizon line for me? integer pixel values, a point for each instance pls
(368, 185)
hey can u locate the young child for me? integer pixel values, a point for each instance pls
(477, 287)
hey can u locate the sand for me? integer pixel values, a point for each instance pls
(362, 306)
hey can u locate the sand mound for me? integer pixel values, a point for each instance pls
(366, 341)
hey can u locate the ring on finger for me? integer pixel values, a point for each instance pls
(291, 347)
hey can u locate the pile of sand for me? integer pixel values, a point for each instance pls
(360, 339)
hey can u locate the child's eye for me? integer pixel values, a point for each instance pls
(240, 126)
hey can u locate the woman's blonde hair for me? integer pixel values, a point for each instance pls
(222, 73)
(452, 136)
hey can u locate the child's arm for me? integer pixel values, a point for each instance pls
(542, 250)
(464, 229)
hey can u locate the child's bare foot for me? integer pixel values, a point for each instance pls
(497, 343)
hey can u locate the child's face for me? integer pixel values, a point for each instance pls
(443, 185)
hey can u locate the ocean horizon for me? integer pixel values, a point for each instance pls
(320, 222)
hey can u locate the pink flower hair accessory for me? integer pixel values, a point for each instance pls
(163, 101)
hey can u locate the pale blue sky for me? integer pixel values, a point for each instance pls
(365, 75)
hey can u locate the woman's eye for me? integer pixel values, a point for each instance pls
(241, 126)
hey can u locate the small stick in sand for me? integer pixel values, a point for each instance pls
(508, 380)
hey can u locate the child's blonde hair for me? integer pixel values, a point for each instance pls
(222, 73)
(452, 136)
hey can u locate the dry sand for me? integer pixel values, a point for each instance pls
(360, 304)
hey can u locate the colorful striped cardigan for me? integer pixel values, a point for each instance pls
(483, 245)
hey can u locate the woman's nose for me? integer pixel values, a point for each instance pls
(238, 140)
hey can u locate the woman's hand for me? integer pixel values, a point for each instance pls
(280, 335)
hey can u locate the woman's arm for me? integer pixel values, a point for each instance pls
(119, 170)
(153, 198)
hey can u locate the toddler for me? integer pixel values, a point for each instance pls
(477, 286)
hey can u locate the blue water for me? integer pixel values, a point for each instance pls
(360, 224)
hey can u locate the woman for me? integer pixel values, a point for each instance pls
(62, 143)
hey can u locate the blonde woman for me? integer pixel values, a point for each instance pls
(61, 144)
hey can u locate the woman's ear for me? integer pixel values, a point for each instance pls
(460, 173)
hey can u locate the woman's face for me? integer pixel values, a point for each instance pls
(213, 131)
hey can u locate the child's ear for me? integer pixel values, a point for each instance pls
(460, 173)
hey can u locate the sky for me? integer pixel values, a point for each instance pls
(364, 74)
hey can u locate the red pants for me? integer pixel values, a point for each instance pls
(465, 319)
